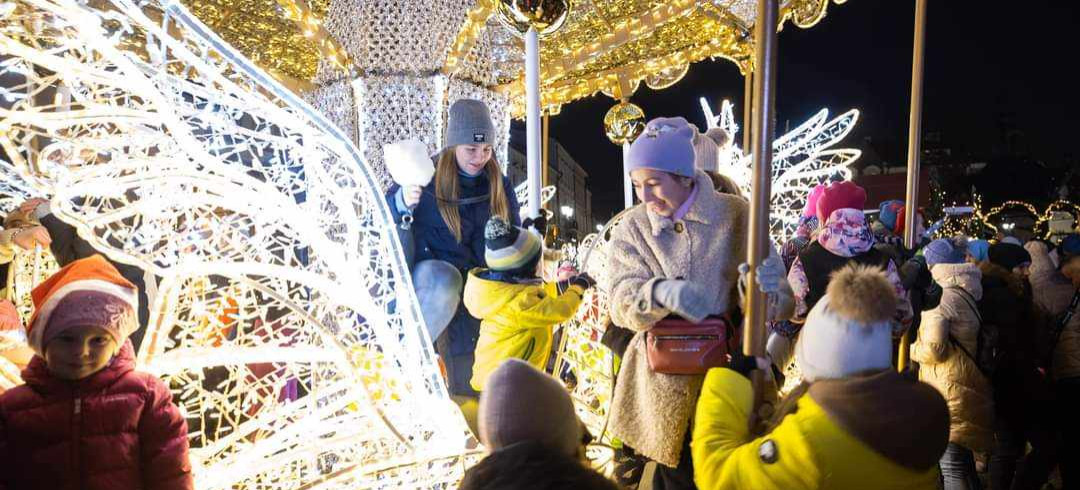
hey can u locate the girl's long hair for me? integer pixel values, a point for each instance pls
(447, 191)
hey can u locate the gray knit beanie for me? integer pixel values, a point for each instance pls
(469, 123)
(521, 403)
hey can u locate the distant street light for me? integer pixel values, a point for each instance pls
(600, 227)
(567, 211)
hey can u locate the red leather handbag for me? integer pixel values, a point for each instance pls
(677, 346)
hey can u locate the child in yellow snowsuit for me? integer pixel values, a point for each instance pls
(517, 310)
(856, 424)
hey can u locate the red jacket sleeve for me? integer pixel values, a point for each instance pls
(163, 438)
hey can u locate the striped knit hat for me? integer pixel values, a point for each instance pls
(86, 292)
(507, 247)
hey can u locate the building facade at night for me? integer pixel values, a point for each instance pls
(572, 204)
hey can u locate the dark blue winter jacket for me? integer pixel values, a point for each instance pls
(434, 240)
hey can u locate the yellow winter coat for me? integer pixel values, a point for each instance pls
(880, 431)
(516, 320)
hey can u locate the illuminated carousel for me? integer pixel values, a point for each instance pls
(233, 149)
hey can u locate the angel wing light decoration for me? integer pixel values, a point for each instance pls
(802, 159)
(285, 319)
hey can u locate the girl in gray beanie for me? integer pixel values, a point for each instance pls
(447, 233)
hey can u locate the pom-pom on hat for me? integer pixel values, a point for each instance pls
(507, 247)
(667, 145)
(849, 330)
(707, 147)
(469, 123)
(86, 292)
(840, 195)
(521, 403)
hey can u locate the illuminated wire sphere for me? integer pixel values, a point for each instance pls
(546, 16)
(666, 77)
(624, 122)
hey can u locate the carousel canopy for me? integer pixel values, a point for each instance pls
(608, 46)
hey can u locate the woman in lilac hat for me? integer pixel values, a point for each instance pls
(676, 253)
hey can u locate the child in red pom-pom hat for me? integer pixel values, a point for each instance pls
(85, 418)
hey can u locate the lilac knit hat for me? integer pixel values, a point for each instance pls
(667, 144)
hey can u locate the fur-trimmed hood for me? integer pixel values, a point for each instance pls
(965, 275)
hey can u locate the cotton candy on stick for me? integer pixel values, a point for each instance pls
(409, 166)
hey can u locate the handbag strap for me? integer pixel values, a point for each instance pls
(969, 299)
(1063, 321)
(955, 342)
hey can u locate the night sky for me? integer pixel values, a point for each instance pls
(983, 60)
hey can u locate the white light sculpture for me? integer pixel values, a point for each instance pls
(285, 321)
(802, 159)
(522, 194)
(580, 352)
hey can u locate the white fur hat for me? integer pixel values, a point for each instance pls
(849, 330)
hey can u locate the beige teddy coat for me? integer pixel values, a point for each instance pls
(651, 411)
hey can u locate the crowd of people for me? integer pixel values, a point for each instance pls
(994, 377)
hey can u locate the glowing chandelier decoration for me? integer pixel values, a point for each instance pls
(802, 159)
(285, 319)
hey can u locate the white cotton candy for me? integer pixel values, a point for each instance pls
(408, 162)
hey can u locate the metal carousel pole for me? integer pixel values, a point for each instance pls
(761, 144)
(914, 150)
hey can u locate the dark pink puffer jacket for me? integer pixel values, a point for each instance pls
(117, 429)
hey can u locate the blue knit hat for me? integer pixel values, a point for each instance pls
(1070, 245)
(888, 211)
(979, 250)
(667, 144)
(945, 251)
(509, 248)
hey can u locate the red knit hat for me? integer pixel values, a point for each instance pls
(840, 195)
(86, 292)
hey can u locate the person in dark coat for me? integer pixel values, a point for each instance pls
(535, 439)
(447, 233)
(85, 418)
(1020, 392)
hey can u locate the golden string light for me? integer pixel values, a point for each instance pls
(602, 41)
(608, 40)
(973, 224)
(284, 37)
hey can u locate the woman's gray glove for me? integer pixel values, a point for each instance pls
(683, 298)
